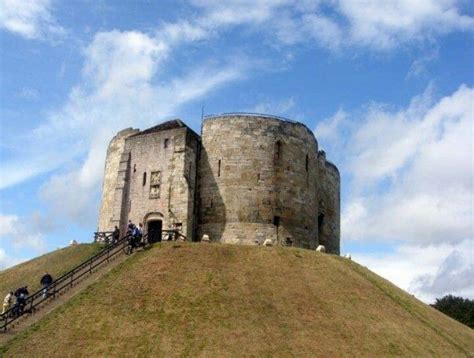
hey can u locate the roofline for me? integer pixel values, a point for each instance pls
(180, 122)
(249, 114)
(259, 115)
(331, 164)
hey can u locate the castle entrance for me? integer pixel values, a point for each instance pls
(154, 230)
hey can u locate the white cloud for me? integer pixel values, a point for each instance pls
(281, 107)
(427, 272)
(330, 130)
(455, 275)
(31, 19)
(7, 261)
(392, 155)
(410, 175)
(385, 24)
(412, 170)
(15, 234)
(333, 24)
(7, 224)
(369, 23)
(119, 89)
(237, 12)
(117, 61)
(420, 65)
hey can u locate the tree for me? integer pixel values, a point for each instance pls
(461, 309)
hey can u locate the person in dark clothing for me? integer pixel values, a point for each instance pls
(130, 227)
(22, 291)
(137, 234)
(18, 292)
(116, 234)
(46, 280)
(21, 294)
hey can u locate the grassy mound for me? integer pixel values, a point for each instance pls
(56, 263)
(224, 300)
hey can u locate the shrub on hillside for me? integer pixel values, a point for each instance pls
(461, 309)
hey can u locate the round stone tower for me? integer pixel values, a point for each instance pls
(258, 179)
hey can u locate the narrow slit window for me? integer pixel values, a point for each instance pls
(166, 142)
(307, 162)
(278, 150)
(276, 220)
(144, 178)
(320, 224)
(219, 168)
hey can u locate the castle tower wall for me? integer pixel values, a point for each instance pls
(108, 216)
(257, 180)
(163, 178)
(329, 213)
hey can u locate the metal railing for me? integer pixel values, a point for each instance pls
(249, 114)
(62, 283)
(67, 280)
(103, 236)
(172, 235)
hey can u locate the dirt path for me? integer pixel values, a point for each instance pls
(51, 304)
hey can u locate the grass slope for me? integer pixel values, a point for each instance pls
(56, 263)
(224, 300)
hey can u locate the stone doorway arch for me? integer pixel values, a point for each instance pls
(154, 225)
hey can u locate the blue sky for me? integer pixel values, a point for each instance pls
(386, 86)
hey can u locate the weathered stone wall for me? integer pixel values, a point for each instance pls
(329, 205)
(257, 180)
(111, 173)
(175, 162)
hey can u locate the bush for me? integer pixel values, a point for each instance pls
(461, 309)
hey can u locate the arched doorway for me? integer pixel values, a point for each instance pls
(154, 226)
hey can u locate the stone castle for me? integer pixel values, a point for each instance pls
(246, 179)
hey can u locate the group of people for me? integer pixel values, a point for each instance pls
(135, 232)
(17, 298)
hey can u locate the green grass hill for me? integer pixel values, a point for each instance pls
(56, 263)
(222, 300)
